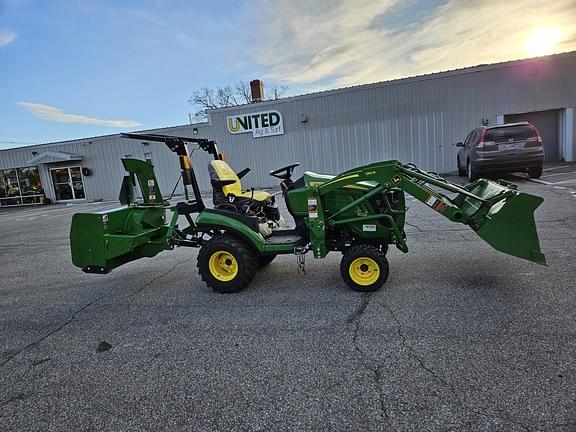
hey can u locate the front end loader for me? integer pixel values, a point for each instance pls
(358, 213)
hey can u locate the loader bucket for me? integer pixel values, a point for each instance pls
(102, 241)
(506, 219)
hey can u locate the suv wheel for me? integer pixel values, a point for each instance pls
(472, 175)
(461, 171)
(535, 172)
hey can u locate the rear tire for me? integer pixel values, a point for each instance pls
(264, 260)
(364, 268)
(535, 172)
(472, 174)
(226, 264)
(461, 171)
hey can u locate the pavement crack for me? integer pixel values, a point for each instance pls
(501, 415)
(86, 306)
(47, 335)
(146, 285)
(355, 316)
(414, 226)
(18, 397)
(39, 362)
(378, 382)
(354, 320)
(21, 395)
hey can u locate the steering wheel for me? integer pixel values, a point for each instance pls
(284, 173)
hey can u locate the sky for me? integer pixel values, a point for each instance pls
(79, 68)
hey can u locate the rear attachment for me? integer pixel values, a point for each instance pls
(105, 240)
(102, 241)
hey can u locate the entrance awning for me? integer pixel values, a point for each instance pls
(54, 156)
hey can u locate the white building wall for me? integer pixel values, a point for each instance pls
(568, 134)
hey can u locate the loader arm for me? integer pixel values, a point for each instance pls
(500, 214)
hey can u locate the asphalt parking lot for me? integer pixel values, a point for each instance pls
(460, 338)
(561, 176)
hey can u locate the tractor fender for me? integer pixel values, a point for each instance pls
(209, 220)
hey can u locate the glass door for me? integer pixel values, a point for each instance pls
(68, 183)
(77, 183)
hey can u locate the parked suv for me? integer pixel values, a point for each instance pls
(501, 149)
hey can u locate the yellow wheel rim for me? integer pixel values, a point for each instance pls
(364, 271)
(223, 266)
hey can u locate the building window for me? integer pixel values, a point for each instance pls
(19, 186)
(30, 185)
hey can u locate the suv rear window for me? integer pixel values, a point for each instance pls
(503, 134)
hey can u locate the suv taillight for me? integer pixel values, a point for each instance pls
(481, 141)
(538, 136)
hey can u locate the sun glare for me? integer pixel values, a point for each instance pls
(543, 41)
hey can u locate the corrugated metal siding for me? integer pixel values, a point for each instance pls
(102, 155)
(414, 120)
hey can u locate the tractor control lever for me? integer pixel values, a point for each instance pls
(251, 199)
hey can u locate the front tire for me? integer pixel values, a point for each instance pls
(364, 268)
(226, 264)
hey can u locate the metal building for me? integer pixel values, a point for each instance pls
(415, 119)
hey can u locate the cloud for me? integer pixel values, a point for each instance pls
(6, 37)
(51, 113)
(347, 42)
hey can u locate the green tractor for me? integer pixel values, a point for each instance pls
(359, 213)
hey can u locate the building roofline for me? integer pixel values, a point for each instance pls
(400, 81)
(99, 137)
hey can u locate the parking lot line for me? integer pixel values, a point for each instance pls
(525, 177)
(544, 182)
(565, 181)
(45, 212)
(557, 174)
(557, 167)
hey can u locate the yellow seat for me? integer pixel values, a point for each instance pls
(224, 172)
(258, 195)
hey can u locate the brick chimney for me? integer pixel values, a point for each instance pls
(257, 90)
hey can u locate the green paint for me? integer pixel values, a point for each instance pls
(367, 203)
(108, 239)
(207, 221)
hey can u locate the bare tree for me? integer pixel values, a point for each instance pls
(222, 97)
(275, 91)
(244, 91)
